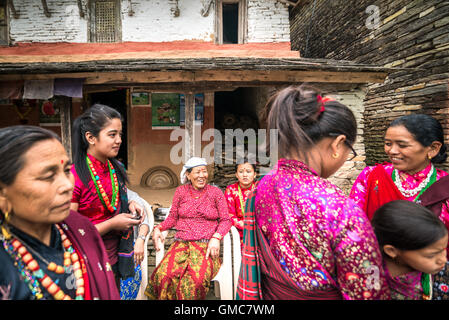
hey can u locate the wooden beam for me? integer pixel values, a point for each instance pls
(111, 77)
(290, 76)
(211, 87)
(206, 7)
(173, 87)
(80, 8)
(291, 3)
(256, 76)
(47, 13)
(66, 124)
(297, 3)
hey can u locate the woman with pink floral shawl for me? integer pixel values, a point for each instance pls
(413, 144)
(303, 238)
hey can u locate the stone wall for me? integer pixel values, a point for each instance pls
(392, 33)
(145, 21)
(346, 175)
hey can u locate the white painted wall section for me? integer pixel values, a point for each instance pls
(152, 21)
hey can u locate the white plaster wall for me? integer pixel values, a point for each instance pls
(152, 21)
(64, 25)
(268, 21)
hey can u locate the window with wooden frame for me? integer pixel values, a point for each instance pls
(105, 22)
(231, 21)
(4, 28)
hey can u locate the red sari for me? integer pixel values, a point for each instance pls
(381, 190)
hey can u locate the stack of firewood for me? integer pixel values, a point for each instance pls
(234, 121)
(224, 175)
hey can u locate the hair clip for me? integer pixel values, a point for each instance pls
(322, 101)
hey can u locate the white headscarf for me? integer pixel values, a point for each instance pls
(191, 163)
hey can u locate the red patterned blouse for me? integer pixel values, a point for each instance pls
(236, 203)
(90, 205)
(198, 214)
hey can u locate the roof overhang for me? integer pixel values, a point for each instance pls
(120, 64)
(199, 70)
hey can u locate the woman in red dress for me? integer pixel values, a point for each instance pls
(237, 193)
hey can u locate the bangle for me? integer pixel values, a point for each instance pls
(215, 237)
(141, 237)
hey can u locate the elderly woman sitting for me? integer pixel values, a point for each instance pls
(199, 213)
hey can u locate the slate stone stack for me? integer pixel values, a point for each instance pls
(412, 36)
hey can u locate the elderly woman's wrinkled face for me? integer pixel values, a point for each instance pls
(198, 177)
(42, 190)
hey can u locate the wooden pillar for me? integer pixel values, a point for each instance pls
(189, 124)
(66, 124)
(193, 129)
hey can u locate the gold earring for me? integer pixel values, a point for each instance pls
(335, 155)
(430, 157)
(5, 231)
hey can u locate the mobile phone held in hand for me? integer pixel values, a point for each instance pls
(136, 216)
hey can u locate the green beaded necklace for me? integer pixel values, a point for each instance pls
(426, 283)
(110, 205)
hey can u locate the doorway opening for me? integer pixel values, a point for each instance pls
(237, 109)
(117, 100)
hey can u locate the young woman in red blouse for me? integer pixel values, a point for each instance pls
(100, 191)
(199, 214)
(237, 193)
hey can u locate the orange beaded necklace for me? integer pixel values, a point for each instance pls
(72, 263)
(111, 205)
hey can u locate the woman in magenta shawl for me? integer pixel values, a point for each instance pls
(47, 251)
(415, 146)
(303, 238)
